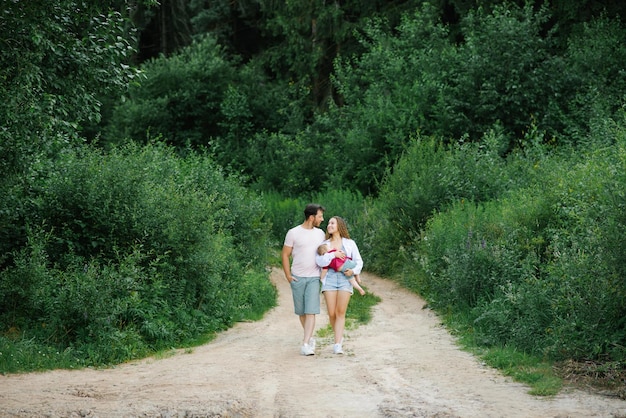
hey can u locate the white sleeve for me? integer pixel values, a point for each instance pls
(355, 255)
(324, 260)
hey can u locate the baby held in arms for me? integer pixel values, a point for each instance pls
(340, 265)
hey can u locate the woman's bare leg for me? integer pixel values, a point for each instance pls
(330, 296)
(341, 305)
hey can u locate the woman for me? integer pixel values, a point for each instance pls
(336, 287)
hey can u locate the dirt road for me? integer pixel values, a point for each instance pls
(402, 364)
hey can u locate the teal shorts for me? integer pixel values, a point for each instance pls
(306, 295)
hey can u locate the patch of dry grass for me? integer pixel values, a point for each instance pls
(606, 378)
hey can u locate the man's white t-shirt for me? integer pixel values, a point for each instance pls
(304, 243)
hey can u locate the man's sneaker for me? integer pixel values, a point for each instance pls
(312, 344)
(337, 349)
(306, 350)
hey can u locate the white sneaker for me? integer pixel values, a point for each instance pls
(312, 343)
(306, 350)
(337, 349)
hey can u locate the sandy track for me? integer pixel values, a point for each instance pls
(402, 364)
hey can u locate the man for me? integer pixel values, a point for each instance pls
(300, 245)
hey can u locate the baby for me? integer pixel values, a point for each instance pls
(340, 265)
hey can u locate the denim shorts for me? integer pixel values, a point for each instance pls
(336, 281)
(306, 295)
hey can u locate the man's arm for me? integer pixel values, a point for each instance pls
(285, 255)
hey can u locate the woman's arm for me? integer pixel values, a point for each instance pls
(353, 252)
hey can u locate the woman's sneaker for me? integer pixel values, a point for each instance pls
(306, 350)
(337, 349)
(312, 343)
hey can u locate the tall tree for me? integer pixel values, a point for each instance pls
(56, 56)
(307, 36)
(165, 27)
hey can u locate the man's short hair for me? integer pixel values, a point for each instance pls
(311, 210)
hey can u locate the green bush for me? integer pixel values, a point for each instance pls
(289, 164)
(134, 251)
(389, 92)
(178, 98)
(586, 270)
(462, 253)
(412, 79)
(429, 177)
(593, 81)
(504, 72)
(540, 268)
(201, 99)
(61, 56)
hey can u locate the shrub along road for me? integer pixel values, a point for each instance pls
(403, 363)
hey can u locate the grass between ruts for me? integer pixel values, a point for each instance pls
(359, 312)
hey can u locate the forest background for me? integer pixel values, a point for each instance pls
(153, 154)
